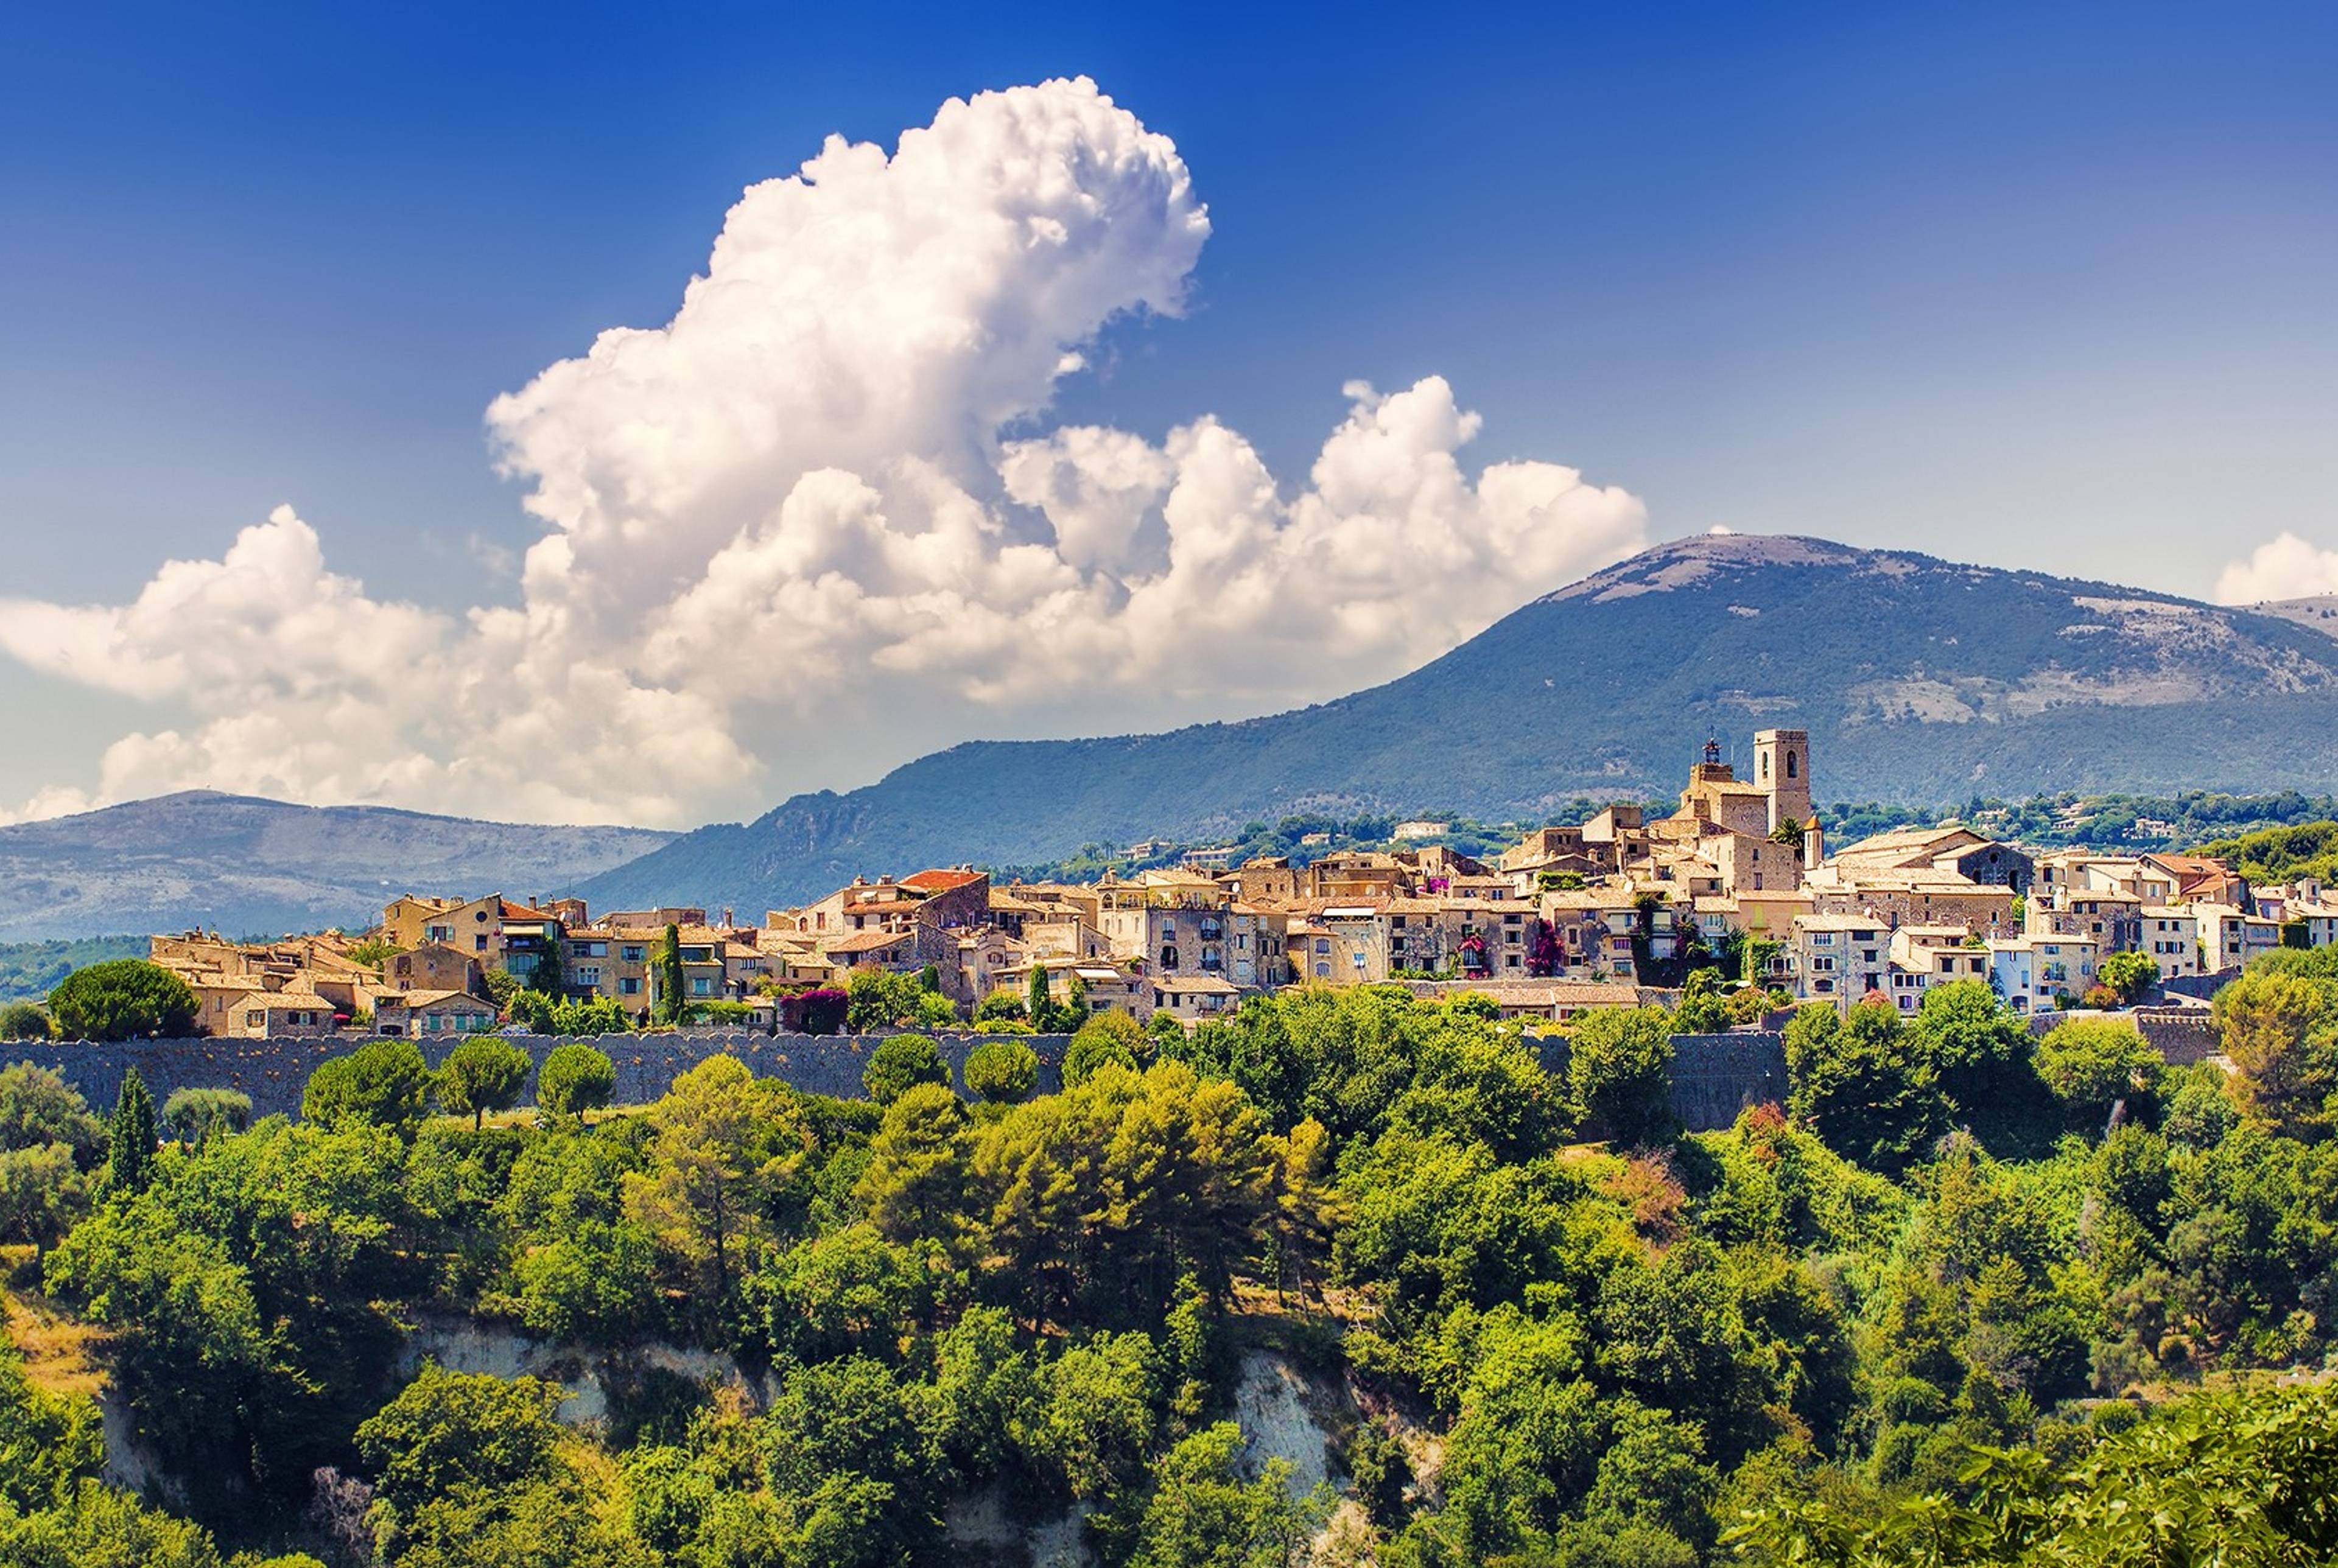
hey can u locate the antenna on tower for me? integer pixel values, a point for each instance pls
(1713, 750)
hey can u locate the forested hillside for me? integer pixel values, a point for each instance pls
(1956, 1301)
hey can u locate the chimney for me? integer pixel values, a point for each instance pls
(1813, 845)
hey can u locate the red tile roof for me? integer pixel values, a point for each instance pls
(940, 881)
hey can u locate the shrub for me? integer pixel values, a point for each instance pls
(121, 999)
(199, 1115)
(1107, 1037)
(901, 1062)
(1002, 1072)
(1000, 1006)
(24, 1021)
(815, 1012)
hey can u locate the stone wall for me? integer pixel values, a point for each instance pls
(273, 1072)
(2182, 1034)
(1714, 1076)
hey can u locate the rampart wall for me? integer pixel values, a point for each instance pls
(1714, 1076)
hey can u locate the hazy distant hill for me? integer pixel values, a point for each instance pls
(1918, 679)
(242, 864)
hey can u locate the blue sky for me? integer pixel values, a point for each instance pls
(2039, 285)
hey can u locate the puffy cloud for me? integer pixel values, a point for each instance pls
(789, 542)
(2284, 567)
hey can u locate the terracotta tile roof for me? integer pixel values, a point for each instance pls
(1197, 985)
(868, 941)
(412, 999)
(941, 881)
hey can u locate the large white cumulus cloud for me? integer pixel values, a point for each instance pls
(815, 524)
(2284, 567)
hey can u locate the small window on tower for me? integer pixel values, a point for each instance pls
(1791, 769)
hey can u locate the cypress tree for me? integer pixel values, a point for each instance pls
(1042, 1007)
(130, 1137)
(673, 1005)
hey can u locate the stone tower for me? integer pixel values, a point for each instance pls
(1782, 767)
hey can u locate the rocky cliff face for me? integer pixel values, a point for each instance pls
(1918, 679)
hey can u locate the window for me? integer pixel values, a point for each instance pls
(255, 1020)
(479, 944)
(1322, 944)
(632, 953)
(1794, 766)
(700, 986)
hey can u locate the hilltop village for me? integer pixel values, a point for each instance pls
(1612, 912)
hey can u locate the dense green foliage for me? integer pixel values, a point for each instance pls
(130, 1137)
(1959, 1298)
(25, 1021)
(574, 1079)
(482, 1074)
(50, 1151)
(193, 1115)
(121, 999)
(2282, 854)
(34, 969)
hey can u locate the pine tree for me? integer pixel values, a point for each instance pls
(129, 1156)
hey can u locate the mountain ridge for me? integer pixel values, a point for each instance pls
(244, 864)
(1921, 678)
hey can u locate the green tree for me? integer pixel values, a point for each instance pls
(38, 1107)
(576, 1079)
(1619, 1074)
(1703, 1009)
(503, 988)
(1002, 1072)
(121, 999)
(550, 974)
(199, 1115)
(49, 1146)
(914, 1183)
(2093, 1064)
(1038, 1002)
(2281, 1032)
(1000, 1006)
(672, 1003)
(1857, 1084)
(1980, 1054)
(130, 1137)
(899, 1062)
(723, 1143)
(383, 1082)
(24, 1021)
(1105, 1038)
(2128, 975)
(1204, 1514)
(482, 1074)
(471, 1473)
